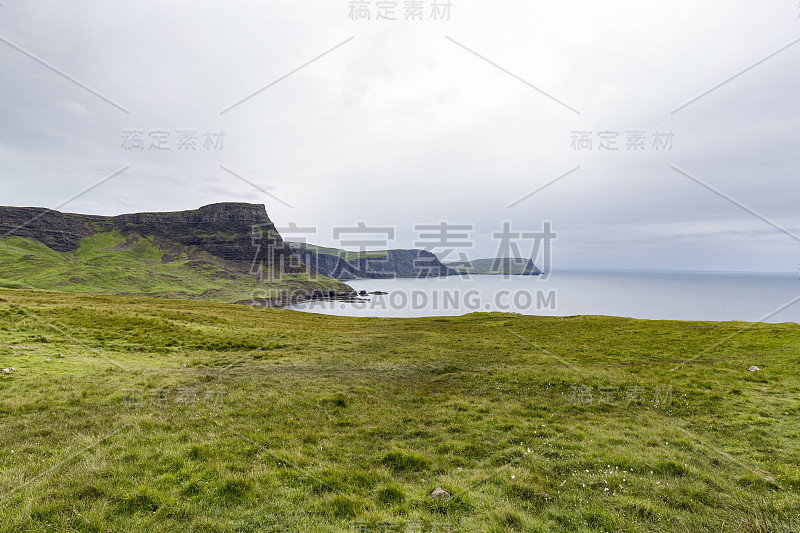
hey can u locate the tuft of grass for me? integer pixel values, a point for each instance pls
(401, 461)
(233, 490)
(142, 499)
(340, 507)
(337, 400)
(391, 495)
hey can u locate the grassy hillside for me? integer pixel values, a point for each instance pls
(111, 263)
(139, 415)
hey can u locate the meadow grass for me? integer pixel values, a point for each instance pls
(136, 414)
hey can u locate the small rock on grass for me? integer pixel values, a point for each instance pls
(439, 494)
(753, 369)
(766, 476)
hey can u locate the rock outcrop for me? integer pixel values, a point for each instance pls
(222, 252)
(439, 494)
(233, 231)
(59, 231)
(342, 265)
(237, 232)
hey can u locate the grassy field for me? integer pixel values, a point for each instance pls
(107, 263)
(137, 415)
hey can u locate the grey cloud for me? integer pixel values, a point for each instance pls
(400, 126)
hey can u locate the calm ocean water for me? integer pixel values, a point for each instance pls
(767, 297)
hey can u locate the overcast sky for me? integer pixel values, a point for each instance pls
(452, 118)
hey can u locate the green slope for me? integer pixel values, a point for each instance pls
(114, 264)
(167, 415)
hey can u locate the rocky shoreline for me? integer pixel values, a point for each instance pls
(299, 298)
(316, 296)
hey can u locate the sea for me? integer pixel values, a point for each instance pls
(657, 295)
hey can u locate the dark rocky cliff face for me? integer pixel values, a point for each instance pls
(328, 265)
(59, 231)
(237, 232)
(395, 264)
(233, 231)
(406, 264)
